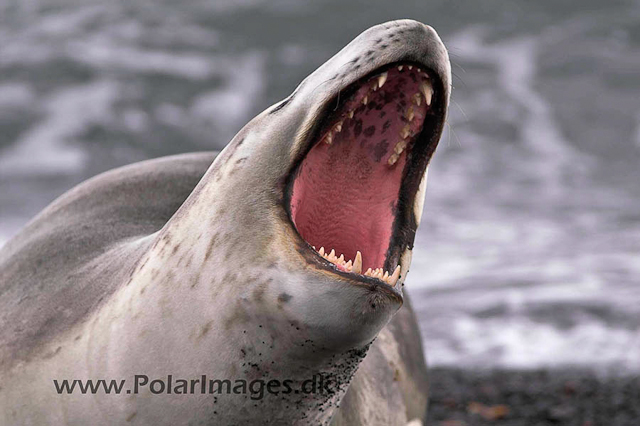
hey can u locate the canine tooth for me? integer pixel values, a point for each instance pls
(357, 263)
(394, 277)
(321, 251)
(382, 79)
(400, 67)
(365, 100)
(427, 91)
(351, 114)
(406, 130)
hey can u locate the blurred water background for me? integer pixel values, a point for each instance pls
(529, 251)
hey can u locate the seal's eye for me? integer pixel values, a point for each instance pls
(347, 190)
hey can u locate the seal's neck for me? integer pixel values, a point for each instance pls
(213, 297)
(190, 312)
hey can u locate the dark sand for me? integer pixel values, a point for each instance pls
(532, 398)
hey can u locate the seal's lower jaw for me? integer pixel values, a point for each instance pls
(352, 195)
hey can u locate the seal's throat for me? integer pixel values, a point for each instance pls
(352, 195)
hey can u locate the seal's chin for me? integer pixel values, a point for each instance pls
(351, 197)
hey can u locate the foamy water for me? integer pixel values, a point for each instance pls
(529, 250)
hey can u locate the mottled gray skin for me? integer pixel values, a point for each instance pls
(172, 266)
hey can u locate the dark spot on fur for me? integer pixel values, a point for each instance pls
(196, 280)
(205, 329)
(284, 297)
(212, 243)
(258, 292)
(52, 353)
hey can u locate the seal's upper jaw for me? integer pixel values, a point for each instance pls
(354, 193)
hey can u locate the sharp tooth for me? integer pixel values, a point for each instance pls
(328, 139)
(332, 254)
(410, 113)
(351, 114)
(338, 127)
(400, 67)
(365, 100)
(321, 251)
(394, 277)
(382, 79)
(349, 265)
(392, 160)
(427, 91)
(385, 276)
(410, 67)
(357, 264)
(417, 98)
(406, 130)
(341, 258)
(368, 273)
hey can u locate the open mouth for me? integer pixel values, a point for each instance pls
(351, 197)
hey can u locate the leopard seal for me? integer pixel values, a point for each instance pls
(276, 263)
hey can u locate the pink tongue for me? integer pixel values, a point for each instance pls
(346, 192)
